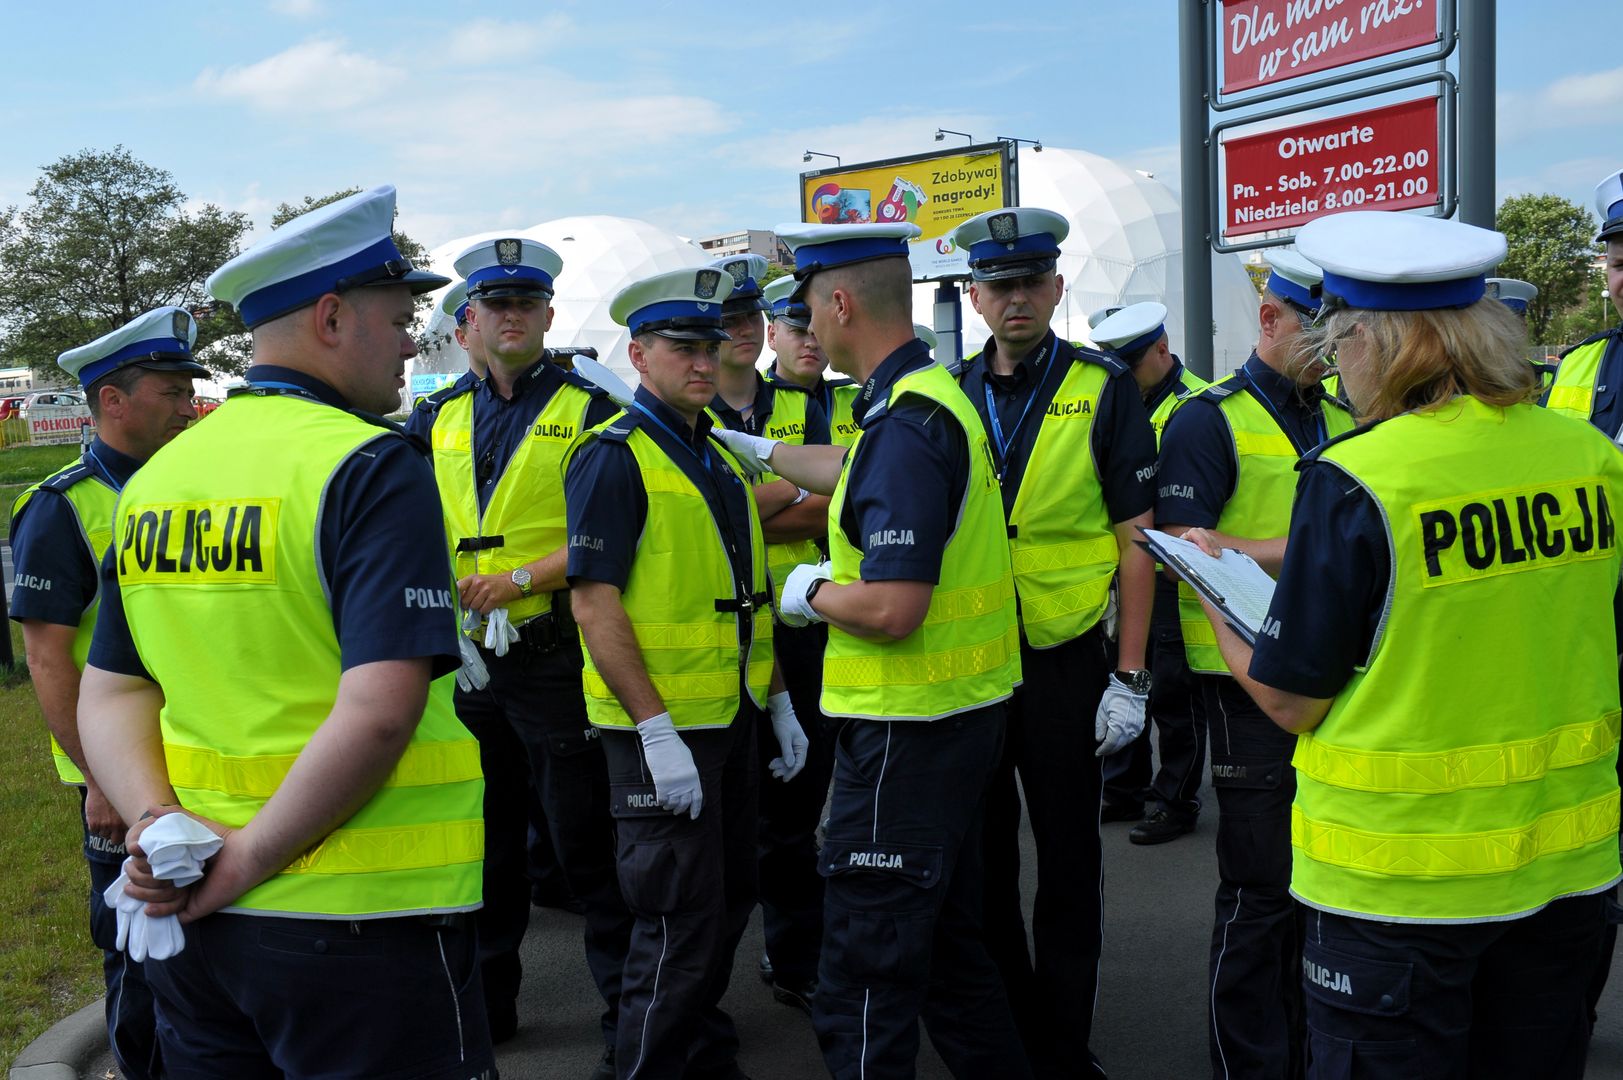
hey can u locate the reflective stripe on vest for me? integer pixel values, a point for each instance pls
(1062, 545)
(680, 572)
(1573, 392)
(526, 511)
(1259, 509)
(93, 503)
(242, 642)
(1464, 775)
(966, 654)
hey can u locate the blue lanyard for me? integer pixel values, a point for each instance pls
(283, 388)
(1319, 427)
(1003, 444)
(107, 474)
(666, 428)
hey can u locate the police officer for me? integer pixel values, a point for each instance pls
(668, 567)
(791, 521)
(1076, 457)
(1137, 336)
(453, 307)
(138, 382)
(800, 361)
(1456, 808)
(276, 623)
(1228, 465)
(922, 653)
(499, 447)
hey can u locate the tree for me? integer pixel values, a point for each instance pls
(106, 237)
(1551, 245)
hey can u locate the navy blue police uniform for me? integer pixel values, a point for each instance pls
(1256, 938)
(57, 579)
(1051, 733)
(530, 720)
(374, 500)
(790, 886)
(690, 906)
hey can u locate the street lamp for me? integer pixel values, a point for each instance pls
(1036, 144)
(942, 133)
(809, 154)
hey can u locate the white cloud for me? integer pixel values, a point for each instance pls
(1598, 90)
(298, 9)
(485, 41)
(314, 76)
(1570, 101)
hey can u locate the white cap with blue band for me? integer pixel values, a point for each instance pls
(455, 302)
(1386, 261)
(1514, 293)
(160, 340)
(1609, 204)
(780, 297)
(510, 266)
(746, 271)
(681, 304)
(1132, 329)
(1294, 279)
(827, 247)
(1017, 241)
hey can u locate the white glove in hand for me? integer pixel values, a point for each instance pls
(1120, 718)
(791, 738)
(500, 633)
(472, 675)
(676, 778)
(176, 847)
(752, 451)
(795, 609)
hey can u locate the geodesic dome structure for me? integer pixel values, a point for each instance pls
(602, 255)
(1125, 246)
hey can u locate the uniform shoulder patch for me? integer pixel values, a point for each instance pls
(617, 429)
(1615, 331)
(1105, 360)
(1217, 391)
(66, 478)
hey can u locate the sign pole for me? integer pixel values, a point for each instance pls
(1477, 76)
(1196, 180)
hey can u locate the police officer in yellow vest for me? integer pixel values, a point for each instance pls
(272, 654)
(1444, 638)
(454, 307)
(1589, 379)
(499, 448)
(799, 360)
(793, 522)
(669, 573)
(922, 652)
(1136, 335)
(138, 381)
(1228, 459)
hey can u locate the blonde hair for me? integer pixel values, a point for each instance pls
(1419, 360)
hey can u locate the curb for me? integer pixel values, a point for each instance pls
(69, 1046)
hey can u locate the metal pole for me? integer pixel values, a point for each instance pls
(1193, 120)
(949, 323)
(1476, 117)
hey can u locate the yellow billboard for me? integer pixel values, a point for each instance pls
(935, 191)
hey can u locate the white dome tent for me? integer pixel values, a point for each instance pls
(1125, 246)
(601, 256)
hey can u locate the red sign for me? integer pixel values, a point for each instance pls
(1269, 41)
(1379, 159)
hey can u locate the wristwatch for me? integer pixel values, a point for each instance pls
(1138, 681)
(521, 578)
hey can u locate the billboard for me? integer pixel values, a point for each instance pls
(935, 191)
(1261, 42)
(1385, 158)
(55, 425)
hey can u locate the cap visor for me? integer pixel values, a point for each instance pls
(744, 307)
(1007, 270)
(421, 281)
(533, 290)
(189, 367)
(693, 333)
(1612, 228)
(794, 320)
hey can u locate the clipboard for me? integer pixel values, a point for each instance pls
(1234, 584)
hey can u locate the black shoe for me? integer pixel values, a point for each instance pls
(796, 995)
(1121, 812)
(605, 1068)
(1160, 827)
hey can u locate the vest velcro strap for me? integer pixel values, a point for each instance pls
(422, 765)
(1573, 398)
(1034, 559)
(747, 603)
(1497, 852)
(924, 670)
(394, 848)
(1454, 770)
(479, 543)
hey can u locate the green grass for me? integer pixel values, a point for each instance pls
(21, 466)
(51, 968)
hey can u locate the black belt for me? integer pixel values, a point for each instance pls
(744, 604)
(479, 543)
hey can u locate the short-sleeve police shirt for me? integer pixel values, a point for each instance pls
(375, 542)
(1012, 406)
(56, 573)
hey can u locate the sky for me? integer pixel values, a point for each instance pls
(487, 117)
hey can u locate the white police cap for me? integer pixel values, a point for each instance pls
(780, 297)
(1514, 293)
(1132, 329)
(926, 335)
(510, 266)
(1293, 278)
(746, 272)
(344, 245)
(681, 304)
(454, 303)
(1101, 315)
(160, 340)
(1016, 241)
(1609, 204)
(442, 324)
(1386, 261)
(825, 247)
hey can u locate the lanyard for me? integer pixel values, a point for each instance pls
(666, 428)
(1003, 444)
(280, 388)
(1319, 427)
(106, 473)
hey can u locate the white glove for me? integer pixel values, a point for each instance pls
(676, 778)
(1120, 718)
(500, 633)
(177, 847)
(794, 609)
(752, 451)
(791, 738)
(472, 675)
